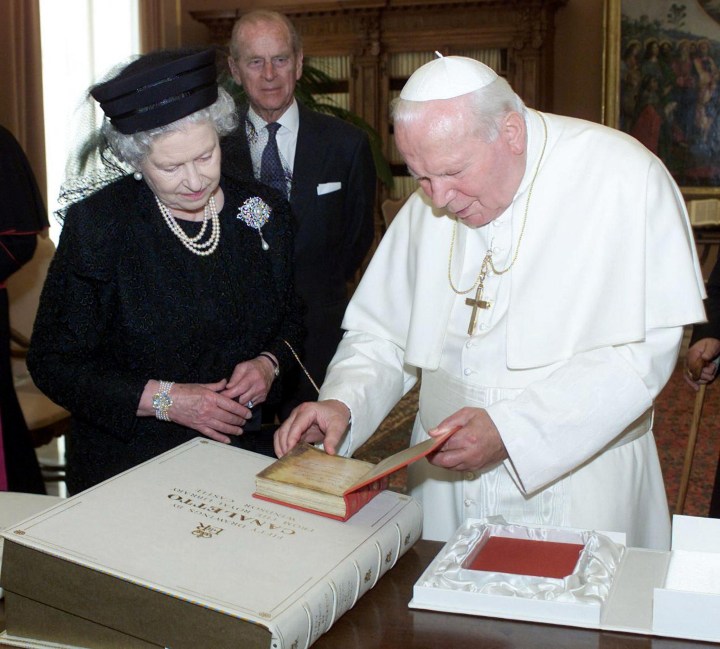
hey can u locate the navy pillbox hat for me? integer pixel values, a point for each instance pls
(146, 95)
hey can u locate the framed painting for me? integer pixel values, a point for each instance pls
(662, 84)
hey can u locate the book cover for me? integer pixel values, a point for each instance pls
(516, 556)
(309, 479)
(177, 553)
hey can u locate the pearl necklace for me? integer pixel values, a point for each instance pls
(191, 243)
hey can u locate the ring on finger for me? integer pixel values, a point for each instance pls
(250, 404)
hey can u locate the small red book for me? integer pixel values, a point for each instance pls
(525, 557)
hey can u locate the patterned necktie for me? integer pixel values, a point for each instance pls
(272, 172)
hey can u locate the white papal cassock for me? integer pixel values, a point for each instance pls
(581, 335)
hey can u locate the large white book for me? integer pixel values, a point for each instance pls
(176, 552)
(15, 506)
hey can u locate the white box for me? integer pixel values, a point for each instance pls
(688, 603)
(675, 593)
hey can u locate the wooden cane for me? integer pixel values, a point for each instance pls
(690, 450)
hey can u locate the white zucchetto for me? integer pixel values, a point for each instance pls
(447, 77)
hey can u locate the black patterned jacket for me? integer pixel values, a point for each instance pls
(125, 302)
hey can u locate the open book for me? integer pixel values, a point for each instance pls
(308, 478)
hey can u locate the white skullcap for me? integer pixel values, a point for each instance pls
(447, 77)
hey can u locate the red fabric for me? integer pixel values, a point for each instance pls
(526, 557)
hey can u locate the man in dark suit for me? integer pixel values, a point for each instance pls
(326, 170)
(703, 357)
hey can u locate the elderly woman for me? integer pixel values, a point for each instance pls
(169, 308)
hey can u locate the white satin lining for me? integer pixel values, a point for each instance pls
(589, 584)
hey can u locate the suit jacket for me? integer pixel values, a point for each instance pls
(333, 229)
(711, 328)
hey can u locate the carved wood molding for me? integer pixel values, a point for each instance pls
(374, 27)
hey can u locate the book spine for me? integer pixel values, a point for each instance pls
(367, 562)
(345, 584)
(355, 500)
(394, 540)
(324, 604)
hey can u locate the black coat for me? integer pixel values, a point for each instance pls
(125, 302)
(711, 329)
(22, 216)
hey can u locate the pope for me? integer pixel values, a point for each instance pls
(537, 284)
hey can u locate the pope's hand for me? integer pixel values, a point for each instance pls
(313, 422)
(476, 445)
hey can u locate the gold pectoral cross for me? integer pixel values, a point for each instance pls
(477, 303)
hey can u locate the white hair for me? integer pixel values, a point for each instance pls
(488, 105)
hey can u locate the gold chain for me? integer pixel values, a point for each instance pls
(487, 262)
(304, 369)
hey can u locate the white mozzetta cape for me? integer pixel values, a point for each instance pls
(612, 252)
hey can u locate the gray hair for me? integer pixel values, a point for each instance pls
(135, 147)
(488, 105)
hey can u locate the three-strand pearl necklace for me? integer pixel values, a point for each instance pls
(194, 244)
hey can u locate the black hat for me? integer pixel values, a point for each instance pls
(158, 89)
